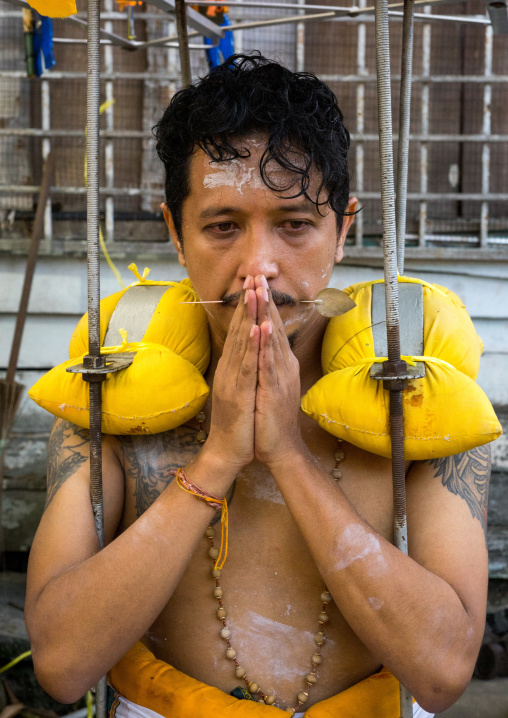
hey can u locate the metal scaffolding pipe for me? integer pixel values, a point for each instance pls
(183, 42)
(394, 364)
(404, 121)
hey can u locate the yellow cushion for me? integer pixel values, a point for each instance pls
(162, 389)
(445, 413)
(159, 391)
(180, 327)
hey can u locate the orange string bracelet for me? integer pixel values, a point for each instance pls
(216, 502)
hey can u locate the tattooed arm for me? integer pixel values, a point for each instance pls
(77, 617)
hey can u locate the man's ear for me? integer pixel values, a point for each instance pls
(347, 221)
(173, 234)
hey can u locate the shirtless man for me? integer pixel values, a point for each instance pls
(249, 230)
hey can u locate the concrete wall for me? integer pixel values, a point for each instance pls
(58, 299)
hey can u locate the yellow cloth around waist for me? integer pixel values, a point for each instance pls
(156, 685)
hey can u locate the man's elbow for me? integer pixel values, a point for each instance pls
(442, 689)
(62, 680)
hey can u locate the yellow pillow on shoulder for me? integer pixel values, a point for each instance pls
(445, 412)
(163, 388)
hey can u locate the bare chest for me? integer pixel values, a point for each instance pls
(271, 586)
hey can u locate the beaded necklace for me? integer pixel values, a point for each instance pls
(225, 633)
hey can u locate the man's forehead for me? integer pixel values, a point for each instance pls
(242, 173)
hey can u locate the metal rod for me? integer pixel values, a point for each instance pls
(93, 276)
(387, 181)
(360, 120)
(183, 43)
(136, 192)
(487, 103)
(46, 149)
(404, 120)
(221, 301)
(300, 41)
(433, 79)
(424, 150)
(37, 231)
(391, 288)
(109, 152)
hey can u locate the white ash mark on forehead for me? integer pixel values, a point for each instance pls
(234, 173)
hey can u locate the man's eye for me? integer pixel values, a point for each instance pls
(222, 227)
(295, 224)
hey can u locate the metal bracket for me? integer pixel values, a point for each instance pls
(95, 369)
(396, 374)
(498, 14)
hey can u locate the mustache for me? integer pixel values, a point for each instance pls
(279, 298)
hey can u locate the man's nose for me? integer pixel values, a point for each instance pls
(259, 255)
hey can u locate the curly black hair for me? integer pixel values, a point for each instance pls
(246, 94)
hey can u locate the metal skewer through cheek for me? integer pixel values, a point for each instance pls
(330, 302)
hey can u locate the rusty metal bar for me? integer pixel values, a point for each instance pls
(93, 276)
(183, 42)
(137, 191)
(144, 134)
(37, 232)
(300, 42)
(46, 149)
(55, 75)
(487, 100)
(394, 366)
(404, 120)
(360, 122)
(424, 150)
(109, 152)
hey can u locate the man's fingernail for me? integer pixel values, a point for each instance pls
(269, 327)
(252, 330)
(246, 283)
(246, 297)
(263, 281)
(266, 294)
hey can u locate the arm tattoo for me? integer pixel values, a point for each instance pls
(149, 461)
(64, 455)
(467, 475)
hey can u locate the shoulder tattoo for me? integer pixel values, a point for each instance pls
(65, 455)
(467, 475)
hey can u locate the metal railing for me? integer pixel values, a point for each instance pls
(485, 237)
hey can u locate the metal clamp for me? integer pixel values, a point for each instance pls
(96, 368)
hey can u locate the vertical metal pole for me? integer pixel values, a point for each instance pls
(300, 41)
(391, 286)
(360, 122)
(487, 100)
(46, 149)
(93, 274)
(404, 120)
(183, 43)
(424, 148)
(110, 166)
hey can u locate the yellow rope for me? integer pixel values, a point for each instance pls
(107, 257)
(89, 704)
(15, 661)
